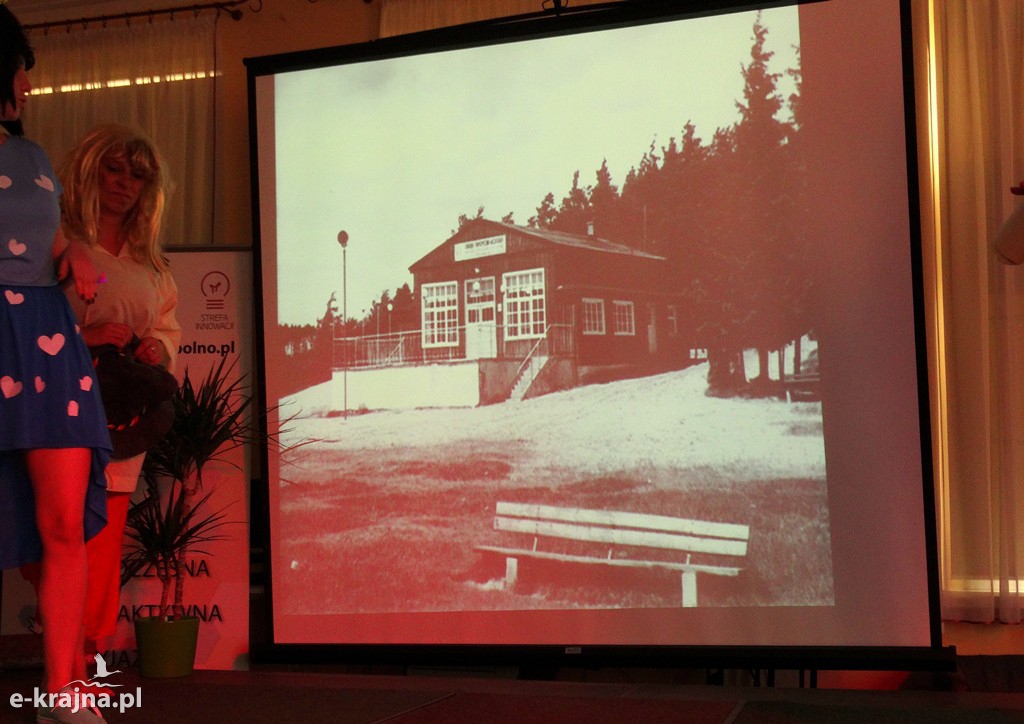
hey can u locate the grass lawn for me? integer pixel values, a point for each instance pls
(385, 511)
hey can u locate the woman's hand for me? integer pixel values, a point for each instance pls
(151, 351)
(113, 333)
(73, 259)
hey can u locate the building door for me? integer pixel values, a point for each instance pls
(652, 329)
(481, 328)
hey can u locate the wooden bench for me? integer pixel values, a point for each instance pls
(620, 533)
(802, 386)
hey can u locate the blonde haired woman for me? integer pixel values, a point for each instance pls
(115, 188)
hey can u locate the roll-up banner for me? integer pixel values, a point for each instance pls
(214, 310)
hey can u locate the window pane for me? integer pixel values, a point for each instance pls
(440, 311)
(524, 304)
(624, 324)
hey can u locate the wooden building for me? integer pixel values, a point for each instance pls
(543, 310)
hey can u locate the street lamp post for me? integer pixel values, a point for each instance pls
(343, 240)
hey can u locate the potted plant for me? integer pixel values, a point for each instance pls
(175, 519)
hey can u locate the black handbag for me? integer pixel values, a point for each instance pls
(137, 398)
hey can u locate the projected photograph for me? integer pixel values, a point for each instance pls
(544, 328)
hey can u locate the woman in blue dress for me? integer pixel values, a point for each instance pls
(54, 442)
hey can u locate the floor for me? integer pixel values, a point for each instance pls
(985, 690)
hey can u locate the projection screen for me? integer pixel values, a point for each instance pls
(596, 333)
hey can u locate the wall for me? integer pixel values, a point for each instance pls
(450, 384)
(280, 26)
(290, 25)
(984, 639)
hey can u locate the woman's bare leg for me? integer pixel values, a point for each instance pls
(59, 479)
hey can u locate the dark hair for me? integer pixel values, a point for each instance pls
(15, 52)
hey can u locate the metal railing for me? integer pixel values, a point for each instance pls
(536, 349)
(405, 348)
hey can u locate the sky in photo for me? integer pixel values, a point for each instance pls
(393, 151)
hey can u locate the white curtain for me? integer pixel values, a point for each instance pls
(971, 98)
(158, 75)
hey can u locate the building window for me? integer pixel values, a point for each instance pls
(673, 321)
(593, 316)
(480, 301)
(440, 307)
(524, 304)
(624, 322)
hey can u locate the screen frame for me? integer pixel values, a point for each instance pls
(543, 656)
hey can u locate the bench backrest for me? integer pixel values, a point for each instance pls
(623, 528)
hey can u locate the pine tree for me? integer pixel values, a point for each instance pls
(604, 197)
(466, 218)
(755, 241)
(546, 213)
(574, 213)
(405, 314)
(640, 198)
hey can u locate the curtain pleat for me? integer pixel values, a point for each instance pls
(156, 75)
(977, 137)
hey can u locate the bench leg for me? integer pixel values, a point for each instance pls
(511, 572)
(689, 589)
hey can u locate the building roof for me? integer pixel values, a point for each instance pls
(580, 241)
(546, 236)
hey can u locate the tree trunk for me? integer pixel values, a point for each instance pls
(189, 490)
(763, 356)
(726, 374)
(164, 573)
